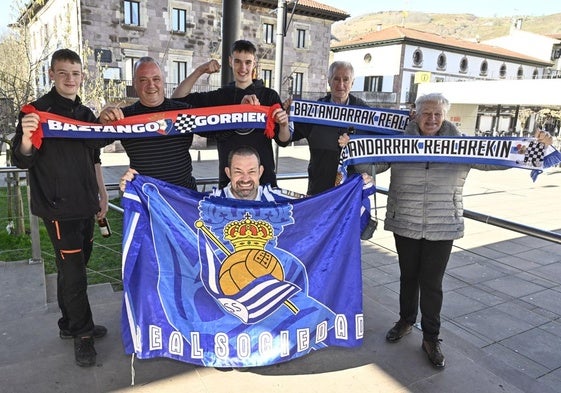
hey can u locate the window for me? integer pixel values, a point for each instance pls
(268, 33)
(373, 83)
(132, 13)
(298, 83)
(463, 65)
(520, 73)
(129, 67)
(103, 55)
(179, 71)
(367, 58)
(502, 71)
(129, 71)
(301, 38)
(179, 20)
(45, 75)
(483, 68)
(441, 61)
(535, 74)
(418, 58)
(268, 78)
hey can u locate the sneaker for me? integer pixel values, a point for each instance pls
(400, 329)
(98, 332)
(84, 351)
(368, 232)
(434, 353)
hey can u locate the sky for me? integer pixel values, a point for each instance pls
(7, 15)
(483, 8)
(486, 8)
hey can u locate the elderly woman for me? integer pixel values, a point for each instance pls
(424, 211)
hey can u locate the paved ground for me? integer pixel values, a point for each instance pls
(501, 318)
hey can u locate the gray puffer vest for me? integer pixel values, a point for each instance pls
(425, 199)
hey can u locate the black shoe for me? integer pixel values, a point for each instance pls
(84, 351)
(400, 329)
(434, 353)
(98, 332)
(368, 232)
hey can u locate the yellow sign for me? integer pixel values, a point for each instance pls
(422, 77)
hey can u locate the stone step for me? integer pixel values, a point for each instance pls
(23, 289)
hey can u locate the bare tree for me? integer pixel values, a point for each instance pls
(19, 74)
(97, 91)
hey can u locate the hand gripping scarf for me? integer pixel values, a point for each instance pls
(173, 122)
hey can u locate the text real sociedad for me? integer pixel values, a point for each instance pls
(267, 343)
(156, 126)
(363, 147)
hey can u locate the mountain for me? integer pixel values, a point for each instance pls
(463, 26)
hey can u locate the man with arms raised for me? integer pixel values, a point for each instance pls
(244, 90)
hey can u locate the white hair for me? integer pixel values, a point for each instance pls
(432, 97)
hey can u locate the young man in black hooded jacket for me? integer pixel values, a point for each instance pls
(67, 192)
(244, 90)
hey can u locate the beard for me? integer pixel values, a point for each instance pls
(245, 190)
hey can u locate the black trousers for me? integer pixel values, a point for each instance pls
(73, 241)
(422, 264)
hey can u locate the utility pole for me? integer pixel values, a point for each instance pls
(231, 17)
(279, 50)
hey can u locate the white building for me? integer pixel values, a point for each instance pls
(390, 64)
(546, 48)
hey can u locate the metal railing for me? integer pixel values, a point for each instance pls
(208, 181)
(33, 220)
(473, 215)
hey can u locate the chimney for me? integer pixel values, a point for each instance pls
(378, 27)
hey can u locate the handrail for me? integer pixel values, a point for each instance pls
(505, 224)
(33, 220)
(473, 215)
(203, 181)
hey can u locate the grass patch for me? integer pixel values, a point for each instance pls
(105, 262)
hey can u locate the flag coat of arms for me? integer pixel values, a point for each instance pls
(230, 283)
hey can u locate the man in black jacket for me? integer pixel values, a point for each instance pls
(323, 140)
(67, 191)
(244, 90)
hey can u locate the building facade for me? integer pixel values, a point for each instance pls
(544, 47)
(390, 64)
(181, 35)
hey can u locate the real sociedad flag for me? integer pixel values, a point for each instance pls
(221, 282)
